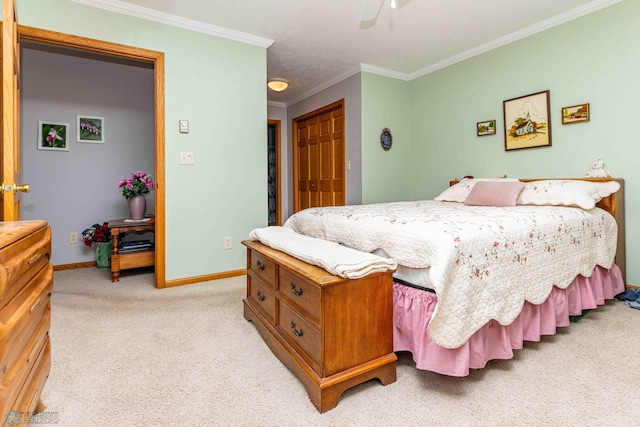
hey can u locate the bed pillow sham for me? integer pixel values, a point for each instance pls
(460, 191)
(558, 192)
(494, 193)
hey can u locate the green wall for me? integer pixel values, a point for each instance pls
(219, 86)
(594, 59)
(385, 174)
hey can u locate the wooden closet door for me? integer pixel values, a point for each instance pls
(319, 156)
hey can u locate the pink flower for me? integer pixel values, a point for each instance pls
(138, 183)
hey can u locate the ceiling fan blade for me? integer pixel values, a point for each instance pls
(371, 10)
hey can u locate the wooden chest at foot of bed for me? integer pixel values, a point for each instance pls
(333, 333)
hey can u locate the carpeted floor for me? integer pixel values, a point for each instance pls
(128, 354)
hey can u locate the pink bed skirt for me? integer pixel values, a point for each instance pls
(413, 308)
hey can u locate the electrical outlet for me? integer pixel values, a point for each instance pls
(228, 242)
(73, 237)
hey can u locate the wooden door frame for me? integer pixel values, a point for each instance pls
(157, 59)
(277, 125)
(294, 142)
(9, 104)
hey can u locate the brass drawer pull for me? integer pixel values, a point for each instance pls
(297, 292)
(260, 296)
(35, 258)
(297, 332)
(260, 265)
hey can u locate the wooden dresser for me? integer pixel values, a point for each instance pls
(333, 333)
(26, 283)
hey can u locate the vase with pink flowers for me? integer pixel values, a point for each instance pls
(134, 189)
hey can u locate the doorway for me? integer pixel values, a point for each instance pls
(156, 60)
(273, 173)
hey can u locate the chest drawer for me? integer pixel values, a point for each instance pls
(262, 266)
(15, 377)
(300, 333)
(21, 317)
(261, 295)
(300, 291)
(21, 260)
(29, 395)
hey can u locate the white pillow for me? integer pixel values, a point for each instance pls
(559, 192)
(460, 191)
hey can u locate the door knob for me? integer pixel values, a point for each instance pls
(24, 188)
(15, 188)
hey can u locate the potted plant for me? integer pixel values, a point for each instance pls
(101, 236)
(134, 188)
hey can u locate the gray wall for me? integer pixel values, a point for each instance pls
(77, 188)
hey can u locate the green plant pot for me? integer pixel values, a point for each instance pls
(103, 251)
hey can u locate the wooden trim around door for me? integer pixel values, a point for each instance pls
(157, 59)
(277, 125)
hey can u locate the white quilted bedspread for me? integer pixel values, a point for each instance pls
(484, 261)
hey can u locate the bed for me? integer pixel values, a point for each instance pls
(488, 264)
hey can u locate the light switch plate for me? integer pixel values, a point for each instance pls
(186, 158)
(184, 126)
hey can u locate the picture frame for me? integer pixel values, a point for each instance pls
(53, 136)
(576, 114)
(90, 129)
(488, 127)
(527, 122)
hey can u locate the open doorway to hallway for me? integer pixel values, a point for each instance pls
(273, 173)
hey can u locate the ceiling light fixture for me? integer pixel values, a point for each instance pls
(278, 85)
(393, 4)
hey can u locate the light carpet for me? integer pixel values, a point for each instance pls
(128, 354)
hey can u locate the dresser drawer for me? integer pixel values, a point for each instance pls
(21, 261)
(27, 399)
(301, 292)
(301, 333)
(17, 375)
(263, 266)
(19, 318)
(261, 295)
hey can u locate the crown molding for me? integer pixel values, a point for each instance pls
(337, 79)
(125, 8)
(276, 104)
(576, 13)
(384, 72)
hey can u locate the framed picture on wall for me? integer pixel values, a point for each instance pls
(576, 114)
(527, 123)
(53, 136)
(90, 129)
(486, 128)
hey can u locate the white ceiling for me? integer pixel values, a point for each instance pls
(319, 42)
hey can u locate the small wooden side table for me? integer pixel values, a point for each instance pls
(123, 261)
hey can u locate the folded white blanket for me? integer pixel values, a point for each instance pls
(336, 259)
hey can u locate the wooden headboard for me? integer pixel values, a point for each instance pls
(614, 204)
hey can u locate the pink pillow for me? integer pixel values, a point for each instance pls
(491, 193)
(460, 191)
